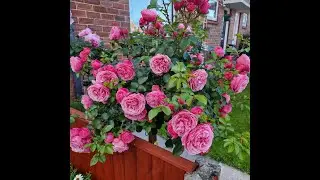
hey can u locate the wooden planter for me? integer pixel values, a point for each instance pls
(143, 161)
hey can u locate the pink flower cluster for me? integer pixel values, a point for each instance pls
(219, 51)
(79, 137)
(198, 80)
(125, 70)
(155, 97)
(133, 106)
(192, 5)
(120, 144)
(116, 33)
(94, 39)
(160, 64)
(149, 23)
(78, 62)
(243, 64)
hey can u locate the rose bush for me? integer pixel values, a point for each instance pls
(156, 78)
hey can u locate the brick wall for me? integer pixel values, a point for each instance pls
(240, 30)
(100, 15)
(214, 29)
(72, 88)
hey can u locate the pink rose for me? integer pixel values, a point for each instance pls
(204, 7)
(108, 67)
(226, 109)
(142, 22)
(133, 104)
(139, 117)
(160, 64)
(183, 122)
(98, 92)
(198, 2)
(115, 33)
(125, 70)
(219, 51)
(86, 101)
(84, 133)
(158, 25)
(239, 83)
(229, 58)
(85, 32)
(79, 137)
(155, 88)
(84, 54)
(93, 39)
(171, 106)
(96, 64)
(74, 132)
(94, 72)
(198, 80)
(208, 66)
(76, 64)
(109, 138)
(228, 65)
(228, 75)
(107, 76)
(149, 15)
(155, 98)
(121, 93)
(119, 146)
(191, 7)
(124, 32)
(126, 136)
(227, 96)
(197, 110)
(181, 101)
(178, 5)
(243, 64)
(198, 140)
(170, 130)
(181, 26)
(200, 57)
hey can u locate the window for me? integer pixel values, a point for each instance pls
(135, 8)
(213, 10)
(244, 20)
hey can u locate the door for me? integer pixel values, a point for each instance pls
(235, 28)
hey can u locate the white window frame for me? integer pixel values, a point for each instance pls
(244, 20)
(209, 16)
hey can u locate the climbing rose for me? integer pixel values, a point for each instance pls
(96, 64)
(149, 15)
(142, 22)
(239, 83)
(109, 138)
(228, 75)
(84, 54)
(86, 101)
(183, 122)
(158, 25)
(198, 80)
(226, 109)
(85, 32)
(133, 104)
(229, 58)
(219, 51)
(115, 33)
(125, 70)
(204, 7)
(200, 57)
(108, 67)
(119, 145)
(76, 64)
(93, 39)
(155, 88)
(197, 110)
(208, 66)
(160, 64)
(155, 98)
(243, 64)
(98, 92)
(181, 26)
(124, 32)
(139, 117)
(199, 139)
(126, 136)
(191, 7)
(227, 96)
(171, 131)
(228, 65)
(107, 76)
(178, 5)
(79, 137)
(121, 93)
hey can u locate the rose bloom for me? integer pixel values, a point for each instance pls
(239, 83)
(84, 54)
(126, 136)
(243, 64)
(181, 26)
(171, 106)
(178, 5)
(124, 32)
(183, 122)
(149, 15)
(86, 101)
(155, 88)
(200, 57)
(198, 140)
(133, 104)
(208, 66)
(109, 138)
(191, 7)
(108, 67)
(76, 64)
(204, 7)
(79, 137)
(226, 109)
(158, 25)
(197, 110)
(142, 22)
(85, 32)
(228, 75)
(119, 146)
(107, 76)
(219, 51)
(98, 92)
(139, 117)
(96, 64)
(198, 2)
(160, 64)
(227, 96)
(198, 80)
(115, 33)
(155, 98)
(228, 65)
(121, 93)
(93, 39)
(171, 131)
(229, 58)
(125, 71)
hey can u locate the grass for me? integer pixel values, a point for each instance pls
(241, 122)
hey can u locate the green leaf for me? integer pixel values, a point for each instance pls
(172, 83)
(93, 147)
(237, 148)
(153, 4)
(102, 158)
(160, 50)
(166, 78)
(134, 85)
(105, 116)
(184, 43)
(107, 128)
(108, 149)
(231, 148)
(227, 143)
(201, 98)
(153, 113)
(142, 80)
(170, 51)
(178, 84)
(169, 143)
(240, 155)
(166, 110)
(141, 88)
(94, 160)
(72, 120)
(96, 123)
(178, 149)
(189, 101)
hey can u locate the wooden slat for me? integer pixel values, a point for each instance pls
(144, 165)
(130, 161)
(157, 169)
(118, 166)
(79, 113)
(172, 172)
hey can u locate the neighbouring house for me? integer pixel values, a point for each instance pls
(225, 19)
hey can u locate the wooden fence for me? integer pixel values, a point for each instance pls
(143, 161)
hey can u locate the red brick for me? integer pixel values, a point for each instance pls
(126, 7)
(84, 6)
(78, 13)
(127, 19)
(95, 28)
(118, 6)
(79, 27)
(113, 23)
(108, 16)
(120, 18)
(93, 15)
(96, 2)
(112, 11)
(85, 21)
(124, 1)
(124, 13)
(100, 22)
(103, 34)
(125, 25)
(106, 3)
(99, 9)
(78, 0)
(75, 19)
(106, 29)
(73, 5)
